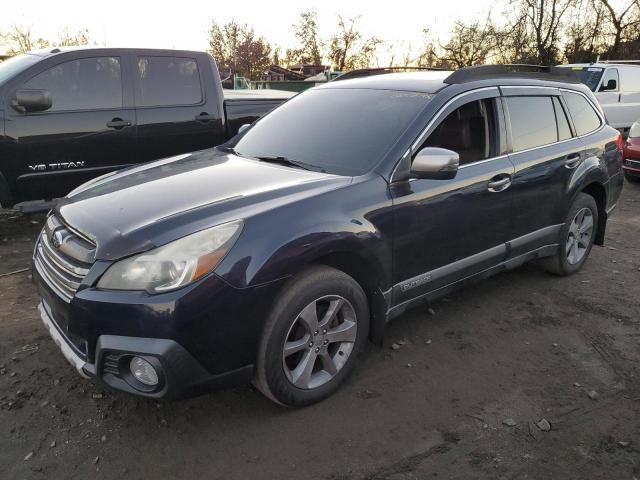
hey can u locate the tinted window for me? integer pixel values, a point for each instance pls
(533, 122)
(564, 131)
(610, 74)
(85, 84)
(343, 131)
(469, 130)
(168, 81)
(584, 117)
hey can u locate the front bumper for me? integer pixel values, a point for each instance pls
(179, 373)
(200, 337)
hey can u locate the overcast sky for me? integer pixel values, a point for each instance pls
(185, 23)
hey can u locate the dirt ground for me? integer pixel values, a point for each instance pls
(460, 398)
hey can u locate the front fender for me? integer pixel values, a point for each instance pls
(355, 219)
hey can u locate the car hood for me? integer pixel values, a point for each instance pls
(146, 206)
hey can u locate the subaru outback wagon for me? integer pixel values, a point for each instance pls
(274, 258)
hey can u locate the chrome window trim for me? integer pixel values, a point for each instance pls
(438, 114)
(554, 91)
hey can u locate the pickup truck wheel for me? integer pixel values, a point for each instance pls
(576, 237)
(311, 339)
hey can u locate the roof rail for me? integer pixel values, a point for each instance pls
(628, 62)
(367, 72)
(541, 72)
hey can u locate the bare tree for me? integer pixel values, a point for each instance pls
(544, 18)
(237, 49)
(19, 39)
(67, 39)
(621, 22)
(586, 33)
(310, 45)
(469, 44)
(348, 50)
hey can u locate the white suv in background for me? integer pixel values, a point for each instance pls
(617, 88)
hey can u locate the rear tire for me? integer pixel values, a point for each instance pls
(315, 330)
(576, 237)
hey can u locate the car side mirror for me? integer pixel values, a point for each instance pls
(32, 101)
(435, 163)
(243, 128)
(611, 85)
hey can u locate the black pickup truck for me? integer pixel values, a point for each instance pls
(68, 115)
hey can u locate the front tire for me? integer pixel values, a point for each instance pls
(316, 328)
(576, 237)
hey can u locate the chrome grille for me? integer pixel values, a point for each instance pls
(61, 258)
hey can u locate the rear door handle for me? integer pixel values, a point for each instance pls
(118, 123)
(572, 160)
(499, 183)
(205, 117)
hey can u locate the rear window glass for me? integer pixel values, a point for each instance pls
(533, 122)
(166, 81)
(584, 117)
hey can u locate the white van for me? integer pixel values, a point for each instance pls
(617, 88)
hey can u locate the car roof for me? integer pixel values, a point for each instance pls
(426, 82)
(601, 65)
(47, 52)
(434, 81)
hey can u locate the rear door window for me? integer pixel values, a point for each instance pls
(84, 84)
(533, 122)
(585, 119)
(165, 81)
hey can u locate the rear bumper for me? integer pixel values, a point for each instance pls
(631, 167)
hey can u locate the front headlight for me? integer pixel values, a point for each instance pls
(175, 264)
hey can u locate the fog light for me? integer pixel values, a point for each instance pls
(143, 371)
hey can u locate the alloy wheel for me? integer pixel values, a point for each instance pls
(319, 342)
(579, 236)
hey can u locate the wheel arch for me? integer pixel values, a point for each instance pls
(367, 273)
(599, 194)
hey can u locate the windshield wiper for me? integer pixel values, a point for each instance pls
(290, 163)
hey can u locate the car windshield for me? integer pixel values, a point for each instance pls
(342, 131)
(590, 76)
(15, 65)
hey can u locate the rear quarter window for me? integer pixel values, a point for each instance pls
(585, 119)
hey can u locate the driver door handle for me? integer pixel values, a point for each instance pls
(499, 183)
(118, 123)
(572, 160)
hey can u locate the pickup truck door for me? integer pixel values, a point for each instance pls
(177, 108)
(446, 230)
(89, 129)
